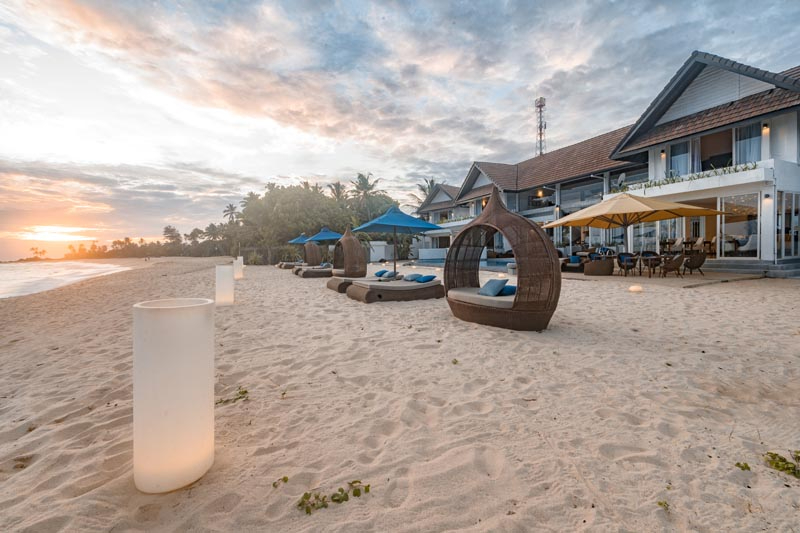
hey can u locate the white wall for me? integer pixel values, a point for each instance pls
(481, 181)
(712, 87)
(441, 196)
(783, 137)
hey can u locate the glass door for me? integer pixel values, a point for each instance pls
(788, 225)
(644, 237)
(739, 231)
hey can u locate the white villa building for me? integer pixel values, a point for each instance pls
(720, 134)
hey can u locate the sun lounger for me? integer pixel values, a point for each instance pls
(339, 283)
(394, 291)
(286, 265)
(314, 272)
(470, 295)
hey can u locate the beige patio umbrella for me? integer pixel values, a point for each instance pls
(626, 209)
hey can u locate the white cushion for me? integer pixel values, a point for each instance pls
(396, 285)
(470, 295)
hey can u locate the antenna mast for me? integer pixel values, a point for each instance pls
(541, 125)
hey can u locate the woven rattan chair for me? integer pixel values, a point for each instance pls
(672, 265)
(538, 270)
(626, 262)
(601, 266)
(349, 261)
(694, 262)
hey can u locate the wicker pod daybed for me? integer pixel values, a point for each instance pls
(538, 271)
(349, 262)
(312, 254)
(311, 268)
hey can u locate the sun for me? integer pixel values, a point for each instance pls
(54, 234)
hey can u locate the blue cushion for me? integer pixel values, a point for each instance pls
(493, 287)
(425, 279)
(508, 290)
(391, 274)
(380, 273)
(326, 265)
(574, 259)
(412, 277)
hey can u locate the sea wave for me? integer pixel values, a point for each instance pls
(19, 279)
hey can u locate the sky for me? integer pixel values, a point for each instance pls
(118, 118)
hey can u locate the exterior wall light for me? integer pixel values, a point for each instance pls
(663, 154)
(765, 127)
(767, 196)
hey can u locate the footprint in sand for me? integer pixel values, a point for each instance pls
(224, 503)
(630, 454)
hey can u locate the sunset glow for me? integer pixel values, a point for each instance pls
(54, 234)
(125, 117)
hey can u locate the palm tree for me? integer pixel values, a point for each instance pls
(213, 232)
(338, 191)
(230, 212)
(425, 189)
(309, 187)
(363, 190)
(250, 199)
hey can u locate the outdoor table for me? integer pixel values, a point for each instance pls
(651, 262)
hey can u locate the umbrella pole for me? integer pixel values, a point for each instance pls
(625, 238)
(395, 249)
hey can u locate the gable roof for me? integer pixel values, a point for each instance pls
(576, 160)
(428, 205)
(784, 82)
(583, 158)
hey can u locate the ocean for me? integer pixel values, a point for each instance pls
(18, 279)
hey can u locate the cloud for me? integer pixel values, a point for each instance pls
(167, 111)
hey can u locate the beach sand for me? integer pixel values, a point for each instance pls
(625, 401)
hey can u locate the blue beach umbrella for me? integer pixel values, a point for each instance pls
(325, 234)
(300, 239)
(394, 221)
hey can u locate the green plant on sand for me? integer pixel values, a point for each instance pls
(311, 501)
(241, 394)
(782, 464)
(278, 481)
(743, 466)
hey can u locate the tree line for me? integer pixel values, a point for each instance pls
(260, 226)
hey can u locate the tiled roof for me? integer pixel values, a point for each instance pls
(503, 175)
(574, 161)
(715, 117)
(436, 207)
(580, 159)
(646, 133)
(477, 192)
(449, 190)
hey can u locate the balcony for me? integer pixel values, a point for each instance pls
(455, 222)
(762, 172)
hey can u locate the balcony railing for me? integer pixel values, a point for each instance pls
(717, 172)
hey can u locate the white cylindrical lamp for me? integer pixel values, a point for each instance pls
(238, 268)
(224, 285)
(173, 392)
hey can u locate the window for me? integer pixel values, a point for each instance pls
(582, 194)
(748, 144)
(541, 198)
(679, 159)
